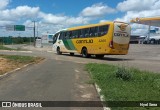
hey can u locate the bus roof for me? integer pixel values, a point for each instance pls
(90, 25)
(152, 21)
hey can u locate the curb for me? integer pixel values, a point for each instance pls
(101, 96)
(16, 51)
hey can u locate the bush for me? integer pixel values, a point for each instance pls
(156, 84)
(123, 74)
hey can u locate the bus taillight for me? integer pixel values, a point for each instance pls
(111, 44)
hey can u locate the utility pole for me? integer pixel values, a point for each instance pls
(37, 30)
(34, 33)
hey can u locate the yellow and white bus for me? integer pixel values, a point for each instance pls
(107, 38)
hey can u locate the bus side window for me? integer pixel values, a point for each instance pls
(75, 34)
(85, 32)
(96, 31)
(65, 35)
(79, 33)
(69, 35)
(93, 31)
(103, 30)
(82, 35)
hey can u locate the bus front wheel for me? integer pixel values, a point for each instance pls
(58, 51)
(85, 53)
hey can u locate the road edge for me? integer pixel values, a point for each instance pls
(101, 96)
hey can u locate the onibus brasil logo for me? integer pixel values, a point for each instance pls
(21, 104)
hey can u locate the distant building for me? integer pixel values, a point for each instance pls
(47, 38)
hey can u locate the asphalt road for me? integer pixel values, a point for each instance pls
(50, 80)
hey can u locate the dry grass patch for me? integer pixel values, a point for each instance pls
(11, 62)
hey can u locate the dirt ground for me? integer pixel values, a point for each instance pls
(7, 65)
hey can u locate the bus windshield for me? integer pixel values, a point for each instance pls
(55, 38)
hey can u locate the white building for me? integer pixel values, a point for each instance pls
(47, 38)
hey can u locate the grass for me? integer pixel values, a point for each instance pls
(139, 86)
(20, 59)
(5, 48)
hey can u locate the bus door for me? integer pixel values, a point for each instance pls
(55, 38)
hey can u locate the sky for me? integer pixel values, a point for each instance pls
(54, 15)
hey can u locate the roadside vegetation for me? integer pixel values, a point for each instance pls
(5, 48)
(7, 40)
(122, 84)
(11, 62)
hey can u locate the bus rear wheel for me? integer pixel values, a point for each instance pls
(58, 51)
(99, 56)
(85, 53)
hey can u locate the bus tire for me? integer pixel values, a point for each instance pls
(99, 56)
(58, 51)
(152, 41)
(71, 54)
(85, 53)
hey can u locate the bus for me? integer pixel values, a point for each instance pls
(107, 38)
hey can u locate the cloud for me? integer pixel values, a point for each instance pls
(62, 19)
(134, 14)
(138, 8)
(51, 18)
(25, 11)
(77, 20)
(47, 21)
(53, 22)
(103, 20)
(18, 13)
(137, 5)
(139, 32)
(6, 22)
(97, 10)
(3, 4)
(139, 29)
(156, 5)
